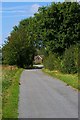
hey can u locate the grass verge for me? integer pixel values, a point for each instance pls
(10, 90)
(0, 92)
(70, 79)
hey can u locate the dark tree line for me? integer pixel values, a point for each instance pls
(53, 29)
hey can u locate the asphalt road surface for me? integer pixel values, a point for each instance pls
(42, 96)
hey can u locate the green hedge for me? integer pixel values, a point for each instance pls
(51, 62)
(69, 63)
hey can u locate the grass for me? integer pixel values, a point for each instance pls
(70, 79)
(0, 92)
(10, 90)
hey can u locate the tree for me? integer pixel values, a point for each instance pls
(59, 26)
(53, 29)
(19, 49)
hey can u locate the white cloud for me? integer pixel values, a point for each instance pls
(31, 8)
(25, 10)
(13, 11)
(21, 9)
(18, 9)
(35, 7)
(22, 15)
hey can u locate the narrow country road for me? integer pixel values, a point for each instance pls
(42, 96)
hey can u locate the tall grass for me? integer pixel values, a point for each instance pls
(10, 90)
(70, 79)
(0, 92)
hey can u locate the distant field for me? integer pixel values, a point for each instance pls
(70, 79)
(10, 90)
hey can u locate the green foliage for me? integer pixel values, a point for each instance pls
(51, 62)
(10, 90)
(19, 49)
(59, 26)
(70, 79)
(53, 28)
(70, 60)
(0, 55)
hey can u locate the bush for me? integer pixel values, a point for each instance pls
(69, 63)
(51, 62)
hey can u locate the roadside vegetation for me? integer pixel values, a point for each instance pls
(10, 90)
(69, 79)
(65, 68)
(54, 31)
(0, 92)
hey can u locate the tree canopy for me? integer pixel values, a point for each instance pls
(53, 28)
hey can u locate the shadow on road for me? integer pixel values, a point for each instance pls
(36, 67)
